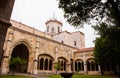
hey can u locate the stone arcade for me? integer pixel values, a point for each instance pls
(43, 50)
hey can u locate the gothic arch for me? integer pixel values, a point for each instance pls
(45, 62)
(90, 59)
(63, 58)
(63, 62)
(26, 49)
(22, 41)
(78, 60)
(91, 65)
(79, 65)
(46, 55)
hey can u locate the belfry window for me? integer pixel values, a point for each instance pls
(62, 42)
(52, 30)
(48, 29)
(75, 43)
(58, 29)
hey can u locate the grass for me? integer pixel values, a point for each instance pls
(83, 76)
(15, 76)
(58, 76)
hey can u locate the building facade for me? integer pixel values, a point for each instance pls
(43, 50)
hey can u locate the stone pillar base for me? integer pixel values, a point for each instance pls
(4, 71)
(69, 67)
(53, 67)
(35, 72)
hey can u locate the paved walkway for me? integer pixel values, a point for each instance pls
(32, 75)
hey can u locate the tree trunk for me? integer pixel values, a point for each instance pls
(13, 70)
(101, 66)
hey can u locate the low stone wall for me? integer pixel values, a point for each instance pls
(93, 73)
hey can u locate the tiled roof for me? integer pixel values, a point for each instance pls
(54, 21)
(79, 32)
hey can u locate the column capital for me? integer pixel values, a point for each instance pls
(5, 57)
(35, 60)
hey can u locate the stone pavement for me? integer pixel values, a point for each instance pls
(33, 76)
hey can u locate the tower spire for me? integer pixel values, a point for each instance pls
(54, 16)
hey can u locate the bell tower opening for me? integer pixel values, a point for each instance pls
(21, 51)
(53, 27)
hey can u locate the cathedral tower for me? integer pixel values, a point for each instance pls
(53, 27)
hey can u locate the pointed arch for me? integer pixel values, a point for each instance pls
(40, 55)
(22, 41)
(17, 49)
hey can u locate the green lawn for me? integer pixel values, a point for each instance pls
(58, 76)
(83, 76)
(10, 76)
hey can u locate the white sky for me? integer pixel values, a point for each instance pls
(36, 12)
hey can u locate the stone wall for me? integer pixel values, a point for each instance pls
(36, 44)
(74, 39)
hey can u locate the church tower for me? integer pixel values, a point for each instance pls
(53, 27)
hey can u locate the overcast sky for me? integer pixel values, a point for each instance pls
(35, 13)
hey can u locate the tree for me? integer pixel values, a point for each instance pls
(78, 12)
(15, 62)
(57, 67)
(107, 46)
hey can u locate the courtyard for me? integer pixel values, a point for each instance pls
(54, 76)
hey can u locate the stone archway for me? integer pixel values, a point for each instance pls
(91, 65)
(63, 62)
(45, 62)
(79, 65)
(21, 51)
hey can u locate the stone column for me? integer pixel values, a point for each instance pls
(73, 65)
(53, 67)
(6, 7)
(99, 70)
(36, 56)
(35, 71)
(85, 64)
(5, 65)
(56, 61)
(3, 31)
(69, 63)
(68, 66)
(31, 60)
(6, 55)
(85, 68)
(56, 54)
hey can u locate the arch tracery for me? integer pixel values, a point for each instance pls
(91, 65)
(62, 61)
(79, 65)
(45, 62)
